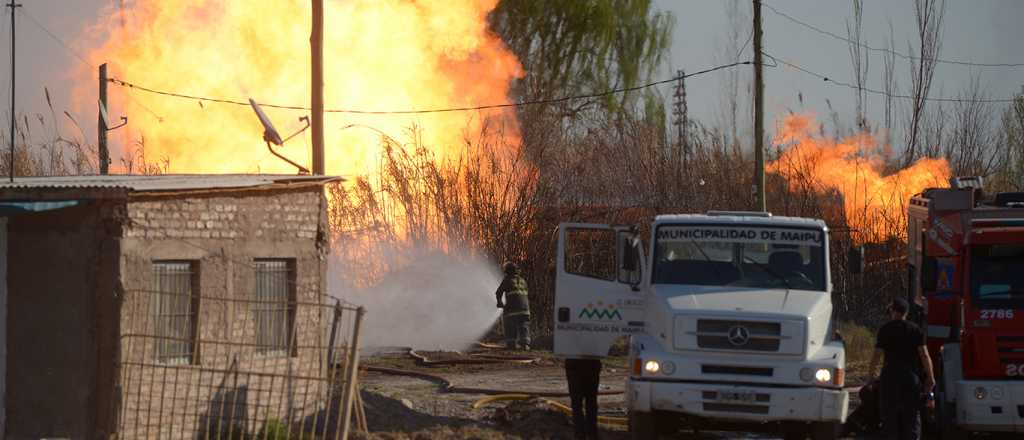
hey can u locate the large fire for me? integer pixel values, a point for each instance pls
(874, 203)
(379, 55)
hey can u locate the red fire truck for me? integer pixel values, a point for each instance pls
(966, 270)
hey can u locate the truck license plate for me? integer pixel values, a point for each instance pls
(737, 396)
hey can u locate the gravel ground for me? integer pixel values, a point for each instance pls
(400, 407)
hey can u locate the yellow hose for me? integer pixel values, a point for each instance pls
(498, 398)
(619, 421)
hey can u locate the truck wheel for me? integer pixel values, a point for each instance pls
(643, 425)
(826, 430)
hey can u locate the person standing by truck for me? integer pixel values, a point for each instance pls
(584, 377)
(906, 361)
(515, 307)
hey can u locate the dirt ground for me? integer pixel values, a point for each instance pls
(400, 407)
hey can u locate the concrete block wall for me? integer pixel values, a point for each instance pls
(222, 234)
(244, 216)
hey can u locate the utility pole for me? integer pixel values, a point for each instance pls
(316, 42)
(758, 111)
(13, 7)
(101, 128)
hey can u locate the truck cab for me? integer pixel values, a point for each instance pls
(728, 315)
(966, 270)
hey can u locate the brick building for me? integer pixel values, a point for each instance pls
(165, 306)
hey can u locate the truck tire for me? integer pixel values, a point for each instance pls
(643, 425)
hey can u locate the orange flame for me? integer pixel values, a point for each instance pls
(874, 204)
(379, 55)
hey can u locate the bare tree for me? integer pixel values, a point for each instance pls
(974, 146)
(1009, 175)
(737, 40)
(934, 127)
(859, 59)
(889, 83)
(929, 15)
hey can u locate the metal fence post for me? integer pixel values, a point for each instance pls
(334, 334)
(352, 373)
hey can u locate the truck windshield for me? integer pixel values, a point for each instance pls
(997, 274)
(741, 256)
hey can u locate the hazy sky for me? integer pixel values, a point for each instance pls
(986, 31)
(981, 31)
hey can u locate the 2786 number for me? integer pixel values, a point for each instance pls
(997, 314)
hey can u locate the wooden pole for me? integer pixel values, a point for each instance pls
(13, 6)
(316, 41)
(101, 128)
(758, 111)
(352, 373)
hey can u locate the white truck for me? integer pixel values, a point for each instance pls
(728, 317)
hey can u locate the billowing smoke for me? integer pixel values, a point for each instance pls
(428, 300)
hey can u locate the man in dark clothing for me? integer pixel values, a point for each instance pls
(516, 307)
(906, 374)
(583, 376)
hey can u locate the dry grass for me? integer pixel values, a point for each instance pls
(860, 344)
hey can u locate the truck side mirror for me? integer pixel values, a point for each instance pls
(631, 253)
(929, 273)
(629, 259)
(855, 260)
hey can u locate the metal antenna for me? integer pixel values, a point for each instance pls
(13, 7)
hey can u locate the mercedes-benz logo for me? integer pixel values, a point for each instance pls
(738, 335)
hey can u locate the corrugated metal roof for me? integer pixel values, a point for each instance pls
(162, 182)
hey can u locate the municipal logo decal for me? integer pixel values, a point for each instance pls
(600, 312)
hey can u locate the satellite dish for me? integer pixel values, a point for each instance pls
(271, 136)
(106, 118)
(269, 132)
(103, 114)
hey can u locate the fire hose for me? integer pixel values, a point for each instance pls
(493, 394)
(447, 386)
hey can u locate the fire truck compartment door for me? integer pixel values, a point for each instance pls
(597, 295)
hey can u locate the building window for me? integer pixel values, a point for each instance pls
(274, 307)
(175, 303)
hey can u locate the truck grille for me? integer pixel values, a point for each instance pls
(721, 334)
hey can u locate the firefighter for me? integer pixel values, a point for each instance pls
(584, 377)
(907, 377)
(515, 307)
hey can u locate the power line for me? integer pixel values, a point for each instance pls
(78, 55)
(880, 92)
(56, 38)
(134, 86)
(750, 37)
(883, 50)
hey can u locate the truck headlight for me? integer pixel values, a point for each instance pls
(652, 366)
(806, 374)
(823, 375)
(980, 393)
